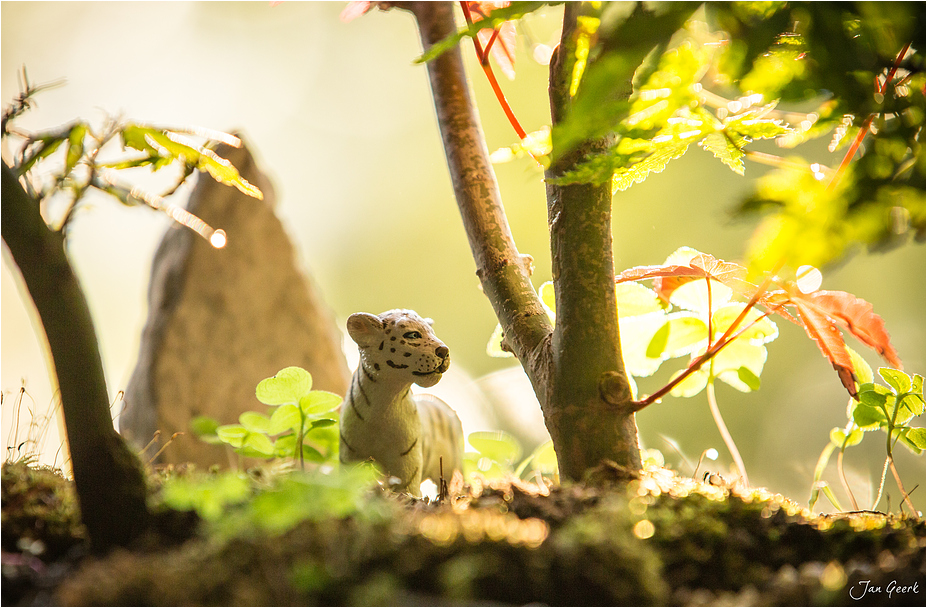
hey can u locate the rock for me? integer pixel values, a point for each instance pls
(221, 320)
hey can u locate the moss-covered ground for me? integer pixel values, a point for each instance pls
(660, 540)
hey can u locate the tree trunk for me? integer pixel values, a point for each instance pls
(575, 368)
(109, 480)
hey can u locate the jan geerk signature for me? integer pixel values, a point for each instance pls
(864, 588)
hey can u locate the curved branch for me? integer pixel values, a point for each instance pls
(502, 270)
(108, 478)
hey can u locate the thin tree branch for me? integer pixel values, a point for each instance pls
(502, 270)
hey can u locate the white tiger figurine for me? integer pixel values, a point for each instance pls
(408, 435)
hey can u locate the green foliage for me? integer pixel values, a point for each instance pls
(232, 502)
(82, 167)
(654, 330)
(892, 408)
(888, 408)
(497, 453)
(301, 423)
(735, 75)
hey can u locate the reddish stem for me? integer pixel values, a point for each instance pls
(864, 128)
(483, 55)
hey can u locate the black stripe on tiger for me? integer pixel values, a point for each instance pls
(395, 366)
(406, 453)
(345, 442)
(354, 380)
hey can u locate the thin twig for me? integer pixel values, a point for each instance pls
(483, 55)
(851, 151)
(722, 428)
(843, 479)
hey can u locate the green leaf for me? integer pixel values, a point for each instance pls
(203, 425)
(285, 418)
(46, 146)
(724, 150)
(868, 417)
(752, 124)
(914, 404)
(748, 378)
(322, 423)
(915, 438)
(319, 402)
(494, 346)
(496, 445)
(285, 447)
(208, 496)
(544, 458)
(633, 299)
(476, 463)
(75, 146)
(838, 436)
(232, 434)
(257, 445)
(636, 335)
(694, 295)
(861, 369)
(682, 334)
(514, 10)
(546, 293)
(917, 385)
(692, 385)
(224, 172)
(289, 385)
(254, 422)
(898, 380)
(738, 361)
(876, 395)
(762, 332)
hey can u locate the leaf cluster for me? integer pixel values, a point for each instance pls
(232, 502)
(743, 72)
(890, 409)
(301, 423)
(72, 161)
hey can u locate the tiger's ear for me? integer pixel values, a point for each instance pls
(365, 329)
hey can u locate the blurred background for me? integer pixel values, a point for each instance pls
(341, 120)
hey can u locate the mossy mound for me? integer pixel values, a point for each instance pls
(660, 540)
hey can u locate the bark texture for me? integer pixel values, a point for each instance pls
(108, 477)
(575, 367)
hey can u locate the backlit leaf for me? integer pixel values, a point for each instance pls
(319, 402)
(899, 381)
(762, 331)
(286, 417)
(254, 422)
(724, 150)
(681, 334)
(915, 438)
(289, 385)
(634, 299)
(75, 146)
(838, 436)
(694, 296)
(496, 445)
(692, 385)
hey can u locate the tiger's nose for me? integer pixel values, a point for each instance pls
(442, 352)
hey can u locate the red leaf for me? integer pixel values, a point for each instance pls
(670, 276)
(822, 330)
(354, 10)
(856, 316)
